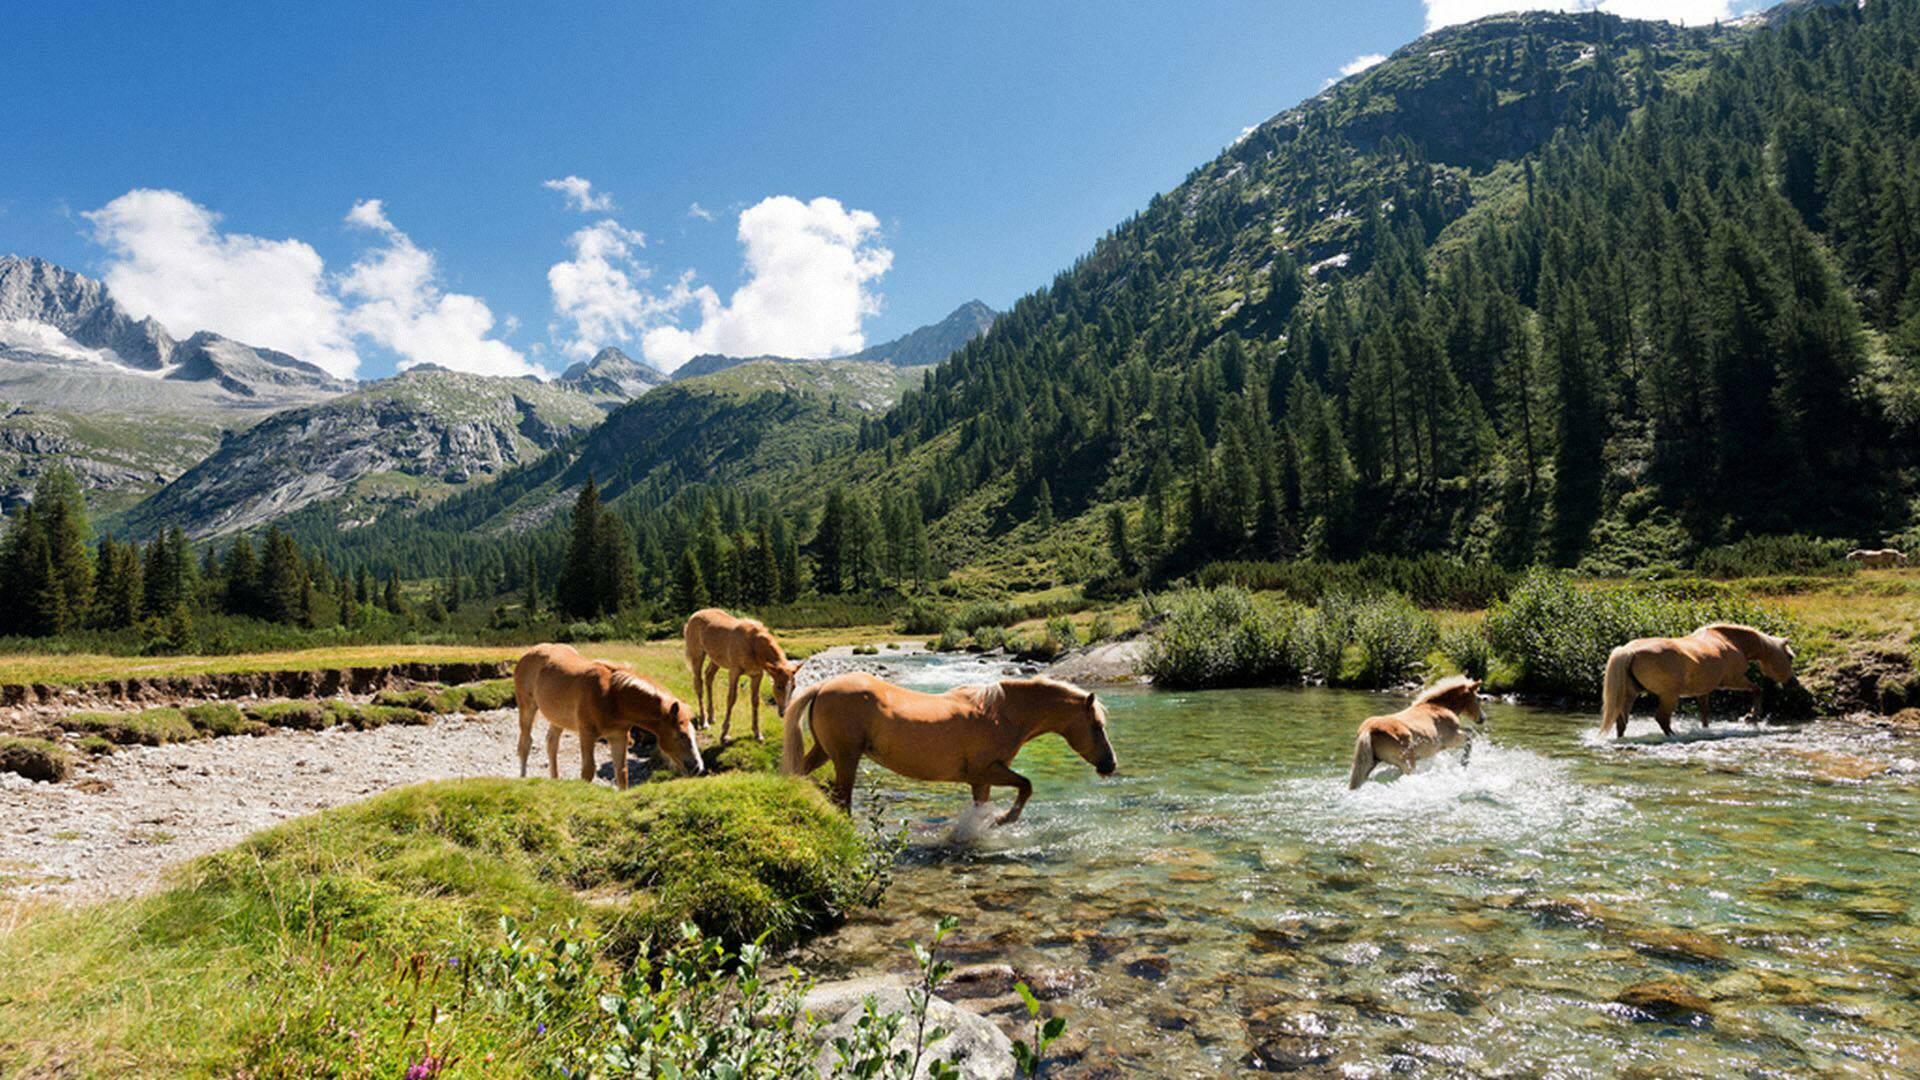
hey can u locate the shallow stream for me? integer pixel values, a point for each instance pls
(1225, 903)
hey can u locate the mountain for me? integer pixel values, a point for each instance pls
(927, 345)
(66, 342)
(408, 440)
(612, 376)
(932, 344)
(118, 458)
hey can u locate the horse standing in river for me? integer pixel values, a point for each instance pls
(968, 735)
(717, 640)
(1421, 730)
(1711, 658)
(597, 700)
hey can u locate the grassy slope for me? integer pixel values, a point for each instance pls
(301, 943)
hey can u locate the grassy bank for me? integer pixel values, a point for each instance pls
(320, 942)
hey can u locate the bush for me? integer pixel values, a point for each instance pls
(951, 639)
(1061, 635)
(989, 638)
(1763, 556)
(1467, 648)
(1222, 637)
(154, 727)
(221, 718)
(1101, 628)
(1394, 638)
(924, 617)
(35, 759)
(1556, 634)
(1430, 581)
(577, 632)
(1319, 640)
(299, 715)
(974, 616)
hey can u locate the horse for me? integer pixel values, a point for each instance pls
(1877, 559)
(597, 700)
(717, 640)
(968, 735)
(1419, 731)
(1712, 658)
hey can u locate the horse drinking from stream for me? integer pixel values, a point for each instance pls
(597, 700)
(968, 735)
(717, 640)
(1711, 658)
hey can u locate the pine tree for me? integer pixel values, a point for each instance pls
(1043, 507)
(577, 592)
(689, 585)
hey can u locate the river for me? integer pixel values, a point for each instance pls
(1225, 903)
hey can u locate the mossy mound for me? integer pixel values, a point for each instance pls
(220, 718)
(153, 727)
(35, 759)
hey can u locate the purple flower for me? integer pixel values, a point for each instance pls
(425, 1069)
(540, 1029)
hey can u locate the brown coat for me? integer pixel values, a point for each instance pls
(597, 700)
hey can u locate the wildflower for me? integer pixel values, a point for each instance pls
(426, 1068)
(540, 1029)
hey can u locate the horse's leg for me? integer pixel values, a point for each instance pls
(844, 772)
(1741, 682)
(617, 746)
(999, 775)
(733, 694)
(816, 757)
(1705, 719)
(553, 750)
(713, 669)
(982, 794)
(1664, 717)
(697, 660)
(586, 753)
(754, 703)
(528, 714)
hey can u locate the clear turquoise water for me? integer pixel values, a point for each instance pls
(1226, 903)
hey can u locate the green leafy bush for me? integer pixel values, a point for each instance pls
(1763, 556)
(1319, 641)
(974, 616)
(950, 640)
(1556, 633)
(1223, 637)
(1430, 581)
(1394, 638)
(989, 638)
(1062, 635)
(1467, 648)
(153, 727)
(35, 759)
(1101, 628)
(924, 617)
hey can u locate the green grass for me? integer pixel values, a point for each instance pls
(35, 759)
(299, 715)
(221, 718)
(346, 928)
(153, 727)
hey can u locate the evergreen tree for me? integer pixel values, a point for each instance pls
(689, 585)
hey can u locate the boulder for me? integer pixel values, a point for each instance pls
(980, 1050)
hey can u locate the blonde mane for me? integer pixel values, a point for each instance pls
(1445, 688)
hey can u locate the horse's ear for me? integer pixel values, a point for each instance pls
(1091, 700)
(1473, 685)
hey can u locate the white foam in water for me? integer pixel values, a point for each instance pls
(1645, 731)
(942, 674)
(973, 823)
(1502, 794)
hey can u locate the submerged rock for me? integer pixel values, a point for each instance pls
(1668, 1000)
(980, 1050)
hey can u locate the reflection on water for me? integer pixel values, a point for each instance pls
(1226, 903)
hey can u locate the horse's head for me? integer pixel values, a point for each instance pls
(1460, 694)
(1088, 737)
(1057, 706)
(1777, 662)
(668, 719)
(783, 675)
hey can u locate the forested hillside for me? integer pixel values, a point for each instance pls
(1539, 288)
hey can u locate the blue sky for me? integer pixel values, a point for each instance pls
(366, 184)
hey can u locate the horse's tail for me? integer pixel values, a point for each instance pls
(793, 742)
(1362, 759)
(1617, 689)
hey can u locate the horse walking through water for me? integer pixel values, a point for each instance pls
(968, 735)
(1711, 658)
(717, 640)
(1419, 731)
(597, 700)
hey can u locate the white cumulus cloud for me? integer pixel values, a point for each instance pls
(697, 211)
(809, 269)
(399, 303)
(168, 259)
(596, 291)
(1688, 12)
(579, 194)
(1355, 66)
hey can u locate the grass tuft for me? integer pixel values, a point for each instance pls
(35, 759)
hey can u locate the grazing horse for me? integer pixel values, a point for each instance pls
(717, 640)
(968, 735)
(1419, 731)
(1711, 658)
(1880, 559)
(597, 700)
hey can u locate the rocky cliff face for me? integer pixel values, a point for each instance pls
(118, 459)
(612, 376)
(408, 440)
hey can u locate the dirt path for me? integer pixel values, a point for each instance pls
(123, 819)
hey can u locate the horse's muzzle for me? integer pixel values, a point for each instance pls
(1107, 768)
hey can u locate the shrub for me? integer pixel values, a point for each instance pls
(1061, 634)
(1222, 637)
(586, 631)
(1762, 556)
(866, 650)
(989, 638)
(299, 715)
(1319, 640)
(1430, 581)
(924, 617)
(1467, 648)
(951, 639)
(35, 759)
(1556, 634)
(1394, 638)
(154, 727)
(1101, 628)
(974, 616)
